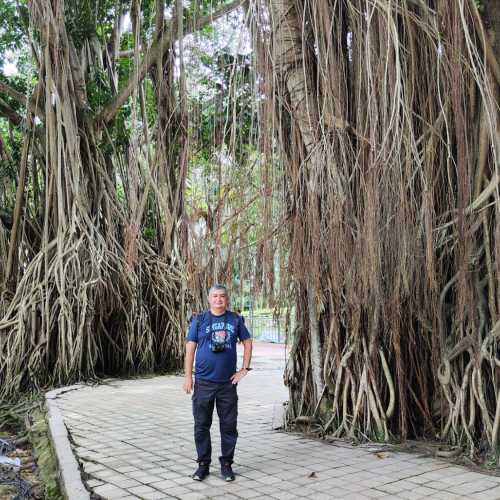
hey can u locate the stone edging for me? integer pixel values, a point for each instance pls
(69, 472)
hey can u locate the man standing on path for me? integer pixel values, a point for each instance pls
(212, 336)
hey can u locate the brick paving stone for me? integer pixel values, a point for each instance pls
(194, 496)
(322, 486)
(265, 489)
(337, 494)
(136, 474)
(249, 494)
(182, 480)
(491, 494)
(177, 491)
(371, 483)
(446, 495)
(392, 488)
(164, 483)
(110, 491)
(209, 491)
(328, 496)
(439, 485)
(392, 497)
(195, 486)
(135, 438)
(139, 490)
(127, 468)
(156, 470)
(419, 479)
(371, 493)
(469, 488)
(92, 483)
(285, 495)
(150, 479)
(104, 473)
(424, 491)
(285, 475)
(409, 495)
(270, 480)
(156, 495)
(127, 483)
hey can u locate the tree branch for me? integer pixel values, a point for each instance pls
(20, 98)
(13, 116)
(17, 96)
(158, 47)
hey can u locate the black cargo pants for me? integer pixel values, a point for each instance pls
(224, 396)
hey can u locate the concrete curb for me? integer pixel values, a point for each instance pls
(69, 472)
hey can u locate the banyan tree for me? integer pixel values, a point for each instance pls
(387, 118)
(93, 248)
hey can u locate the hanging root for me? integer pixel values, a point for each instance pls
(91, 296)
(392, 209)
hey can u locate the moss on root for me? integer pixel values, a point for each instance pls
(44, 454)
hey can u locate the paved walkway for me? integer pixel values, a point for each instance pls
(134, 440)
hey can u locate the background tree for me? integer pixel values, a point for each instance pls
(229, 187)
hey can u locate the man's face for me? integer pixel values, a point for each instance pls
(218, 300)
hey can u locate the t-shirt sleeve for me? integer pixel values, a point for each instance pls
(243, 333)
(192, 335)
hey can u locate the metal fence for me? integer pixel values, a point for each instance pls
(266, 328)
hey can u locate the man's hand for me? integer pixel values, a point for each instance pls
(188, 384)
(188, 366)
(238, 376)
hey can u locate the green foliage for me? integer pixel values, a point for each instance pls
(212, 96)
(11, 31)
(86, 18)
(150, 234)
(98, 89)
(13, 141)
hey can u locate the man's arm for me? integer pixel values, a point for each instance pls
(188, 366)
(247, 357)
(247, 353)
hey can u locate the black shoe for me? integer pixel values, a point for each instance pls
(227, 472)
(202, 472)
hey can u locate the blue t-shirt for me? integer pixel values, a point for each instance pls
(216, 366)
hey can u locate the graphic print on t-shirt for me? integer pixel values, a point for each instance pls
(219, 336)
(222, 330)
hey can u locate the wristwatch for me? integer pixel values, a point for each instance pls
(247, 369)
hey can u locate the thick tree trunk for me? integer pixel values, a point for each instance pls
(297, 88)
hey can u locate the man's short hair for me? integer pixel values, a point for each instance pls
(217, 286)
